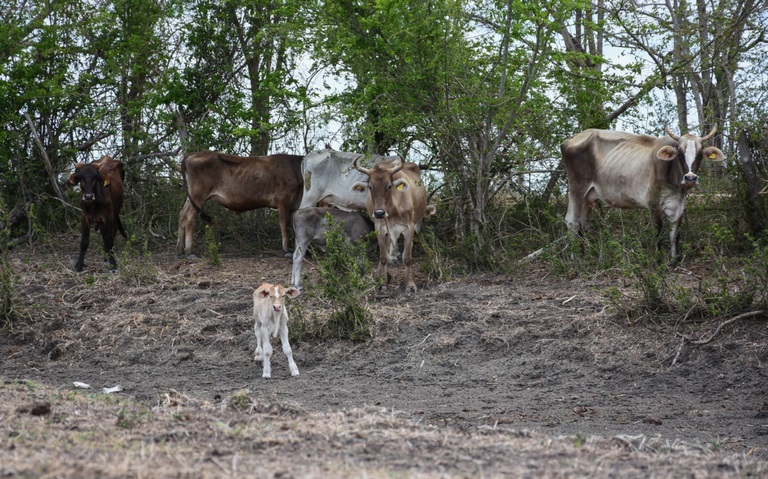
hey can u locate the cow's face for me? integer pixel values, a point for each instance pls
(274, 295)
(381, 186)
(689, 154)
(89, 179)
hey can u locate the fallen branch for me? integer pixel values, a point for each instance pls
(725, 323)
(539, 252)
(679, 350)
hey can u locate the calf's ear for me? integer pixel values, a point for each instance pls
(666, 153)
(713, 153)
(292, 292)
(262, 291)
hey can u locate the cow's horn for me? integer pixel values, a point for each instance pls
(711, 134)
(398, 168)
(671, 135)
(360, 168)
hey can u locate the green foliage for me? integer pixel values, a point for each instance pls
(729, 283)
(129, 417)
(345, 283)
(241, 400)
(436, 263)
(212, 246)
(7, 278)
(135, 264)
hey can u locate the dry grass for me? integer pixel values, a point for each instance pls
(84, 434)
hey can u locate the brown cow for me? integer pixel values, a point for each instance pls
(239, 184)
(397, 202)
(101, 183)
(633, 171)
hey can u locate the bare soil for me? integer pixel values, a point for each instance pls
(525, 375)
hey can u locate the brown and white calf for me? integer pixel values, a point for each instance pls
(271, 317)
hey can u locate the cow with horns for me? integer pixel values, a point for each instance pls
(630, 171)
(101, 185)
(397, 203)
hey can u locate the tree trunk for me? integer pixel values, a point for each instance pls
(755, 207)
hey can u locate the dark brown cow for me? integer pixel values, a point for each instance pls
(397, 202)
(633, 171)
(101, 184)
(239, 184)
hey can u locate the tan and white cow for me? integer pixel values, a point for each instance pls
(270, 319)
(239, 184)
(630, 171)
(397, 202)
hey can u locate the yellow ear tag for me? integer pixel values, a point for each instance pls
(106, 181)
(712, 156)
(401, 187)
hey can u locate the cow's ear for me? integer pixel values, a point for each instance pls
(400, 184)
(713, 153)
(360, 186)
(666, 153)
(73, 179)
(292, 292)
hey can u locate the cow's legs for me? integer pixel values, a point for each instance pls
(410, 285)
(186, 229)
(284, 216)
(108, 235)
(258, 355)
(578, 212)
(85, 238)
(674, 233)
(287, 347)
(267, 348)
(381, 271)
(674, 240)
(298, 260)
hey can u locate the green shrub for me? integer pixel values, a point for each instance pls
(7, 279)
(345, 282)
(212, 246)
(135, 264)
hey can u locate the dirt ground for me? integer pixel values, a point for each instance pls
(526, 375)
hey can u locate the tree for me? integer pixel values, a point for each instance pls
(237, 90)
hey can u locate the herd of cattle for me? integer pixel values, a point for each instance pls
(622, 170)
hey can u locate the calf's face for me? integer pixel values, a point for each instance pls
(274, 295)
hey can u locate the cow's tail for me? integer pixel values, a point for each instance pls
(199, 210)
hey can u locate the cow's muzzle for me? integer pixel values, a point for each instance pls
(690, 179)
(277, 308)
(88, 197)
(379, 214)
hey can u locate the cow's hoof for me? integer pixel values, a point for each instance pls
(288, 254)
(410, 289)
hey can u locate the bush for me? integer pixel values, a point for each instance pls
(345, 283)
(6, 273)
